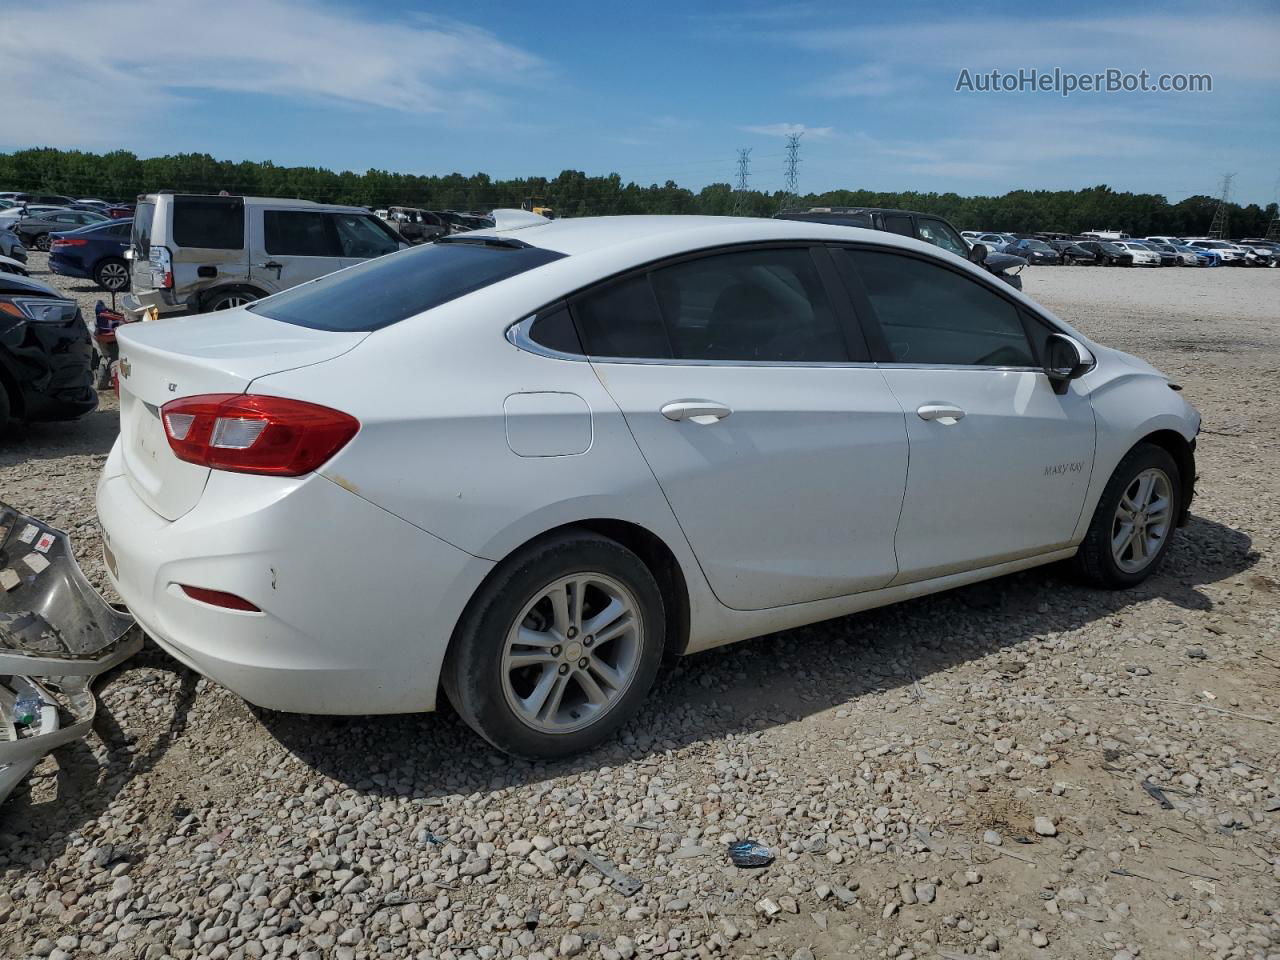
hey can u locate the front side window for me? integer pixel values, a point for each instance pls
(933, 315)
(941, 235)
(362, 236)
(297, 233)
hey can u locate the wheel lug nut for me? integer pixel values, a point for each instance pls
(583, 663)
(572, 632)
(588, 640)
(564, 668)
(555, 651)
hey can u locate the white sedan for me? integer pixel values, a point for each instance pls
(1143, 256)
(519, 466)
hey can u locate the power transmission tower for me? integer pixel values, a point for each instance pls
(1218, 229)
(744, 174)
(791, 171)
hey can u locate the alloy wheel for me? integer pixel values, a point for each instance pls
(114, 276)
(233, 300)
(572, 652)
(1142, 520)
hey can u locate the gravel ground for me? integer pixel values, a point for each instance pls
(956, 776)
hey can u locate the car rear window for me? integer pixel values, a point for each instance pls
(212, 223)
(384, 291)
(142, 215)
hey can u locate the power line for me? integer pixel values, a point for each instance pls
(744, 175)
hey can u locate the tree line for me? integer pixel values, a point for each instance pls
(121, 175)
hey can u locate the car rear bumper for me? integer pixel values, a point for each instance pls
(357, 606)
(66, 267)
(137, 304)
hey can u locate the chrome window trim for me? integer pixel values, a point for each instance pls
(518, 336)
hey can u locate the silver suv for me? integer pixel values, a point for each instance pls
(195, 253)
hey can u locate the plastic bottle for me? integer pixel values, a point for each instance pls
(26, 708)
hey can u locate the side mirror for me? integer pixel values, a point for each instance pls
(978, 253)
(1065, 359)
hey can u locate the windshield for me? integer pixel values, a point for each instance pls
(1038, 245)
(384, 291)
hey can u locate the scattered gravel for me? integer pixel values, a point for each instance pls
(967, 775)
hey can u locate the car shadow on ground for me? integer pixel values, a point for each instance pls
(752, 686)
(94, 433)
(769, 681)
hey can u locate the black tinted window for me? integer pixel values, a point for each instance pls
(896, 223)
(297, 233)
(930, 314)
(384, 291)
(757, 305)
(214, 223)
(554, 330)
(621, 319)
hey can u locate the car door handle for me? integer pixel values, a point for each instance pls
(270, 265)
(699, 411)
(947, 413)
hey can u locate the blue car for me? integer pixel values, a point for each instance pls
(95, 252)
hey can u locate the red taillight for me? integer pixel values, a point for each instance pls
(69, 241)
(219, 598)
(254, 434)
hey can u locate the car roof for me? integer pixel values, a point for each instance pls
(580, 236)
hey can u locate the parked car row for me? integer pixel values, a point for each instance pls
(1112, 248)
(422, 226)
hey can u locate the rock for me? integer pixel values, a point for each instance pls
(1038, 939)
(570, 945)
(991, 838)
(926, 892)
(768, 907)
(1045, 827)
(1196, 653)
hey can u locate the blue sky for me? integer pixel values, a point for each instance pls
(659, 90)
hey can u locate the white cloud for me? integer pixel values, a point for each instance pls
(122, 63)
(786, 129)
(865, 80)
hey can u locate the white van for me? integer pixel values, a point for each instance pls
(195, 253)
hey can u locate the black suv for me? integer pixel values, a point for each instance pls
(921, 226)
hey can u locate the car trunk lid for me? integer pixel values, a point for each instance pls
(222, 352)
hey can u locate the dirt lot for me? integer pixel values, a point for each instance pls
(956, 776)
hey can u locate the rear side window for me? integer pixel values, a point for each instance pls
(932, 315)
(757, 305)
(297, 233)
(621, 319)
(378, 293)
(142, 215)
(212, 223)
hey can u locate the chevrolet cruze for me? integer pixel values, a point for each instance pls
(517, 466)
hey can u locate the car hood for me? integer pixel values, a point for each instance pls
(11, 283)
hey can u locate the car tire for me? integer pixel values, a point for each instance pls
(1117, 553)
(5, 410)
(229, 300)
(43, 243)
(534, 699)
(111, 274)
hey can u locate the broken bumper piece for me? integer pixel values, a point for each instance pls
(56, 634)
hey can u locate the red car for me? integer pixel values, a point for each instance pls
(119, 212)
